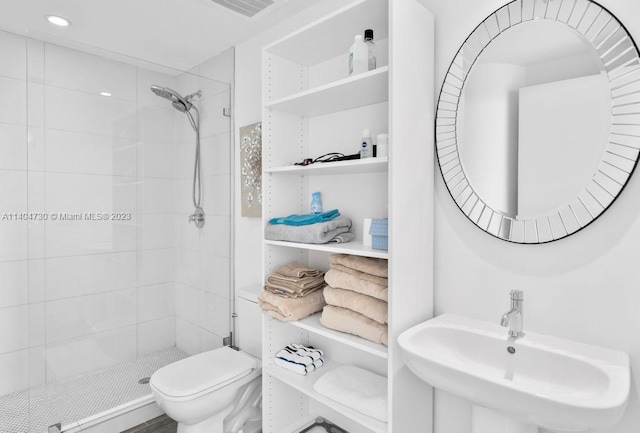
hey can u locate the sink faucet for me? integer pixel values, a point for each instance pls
(513, 318)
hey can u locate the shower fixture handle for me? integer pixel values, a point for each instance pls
(197, 217)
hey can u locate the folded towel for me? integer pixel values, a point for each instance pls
(366, 305)
(362, 275)
(306, 219)
(294, 283)
(297, 269)
(318, 233)
(289, 309)
(342, 280)
(345, 320)
(343, 238)
(370, 265)
(299, 359)
(356, 388)
(288, 293)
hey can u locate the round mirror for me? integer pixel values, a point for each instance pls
(538, 121)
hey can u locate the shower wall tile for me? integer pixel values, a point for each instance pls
(37, 324)
(15, 283)
(14, 244)
(14, 371)
(157, 159)
(93, 314)
(155, 266)
(36, 205)
(72, 69)
(70, 110)
(73, 276)
(187, 234)
(35, 104)
(156, 124)
(188, 267)
(215, 314)
(209, 341)
(14, 330)
(187, 336)
(90, 352)
(220, 67)
(35, 148)
(156, 302)
(216, 154)
(74, 152)
(90, 193)
(13, 199)
(187, 303)
(184, 197)
(156, 231)
(13, 146)
(157, 195)
(69, 238)
(214, 274)
(156, 335)
(217, 195)
(211, 108)
(216, 236)
(14, 56)
(185, 158)
(37, 279)
(35, 60)
(13, 104)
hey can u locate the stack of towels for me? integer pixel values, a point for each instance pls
(357, 297)
(293, 292)
(310, 228)
(299, 359)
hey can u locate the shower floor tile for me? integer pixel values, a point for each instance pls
(77, 397)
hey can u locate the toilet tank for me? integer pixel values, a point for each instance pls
(248, 324)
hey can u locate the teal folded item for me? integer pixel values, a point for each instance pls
(306, 219)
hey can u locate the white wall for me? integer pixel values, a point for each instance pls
(583, 287)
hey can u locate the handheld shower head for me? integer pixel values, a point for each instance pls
(177, 100)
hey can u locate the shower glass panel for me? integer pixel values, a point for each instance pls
(104, 279)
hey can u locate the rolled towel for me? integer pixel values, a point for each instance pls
(356, 388)
(297, 270)
(319, 233)
(345, 320)
(342, 280)
(366, 305)
(289, 309)
(369, 265)
(362, 275)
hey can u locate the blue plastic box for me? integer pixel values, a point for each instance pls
(379, 232)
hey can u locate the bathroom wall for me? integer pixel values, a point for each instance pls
(203, 256)
(583, 287)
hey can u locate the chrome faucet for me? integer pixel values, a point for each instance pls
(513, 318)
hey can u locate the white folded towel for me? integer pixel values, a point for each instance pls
(356, 388)
(299, 359)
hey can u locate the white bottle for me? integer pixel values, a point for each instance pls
(368, 39)
(358, 56)
(366, 145)
(382, 145)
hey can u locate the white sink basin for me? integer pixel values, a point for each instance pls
(549, 382)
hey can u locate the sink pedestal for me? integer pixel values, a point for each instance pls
(485, 420)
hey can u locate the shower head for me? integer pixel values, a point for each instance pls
(177, 100)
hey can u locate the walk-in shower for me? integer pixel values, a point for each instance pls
(184, 105)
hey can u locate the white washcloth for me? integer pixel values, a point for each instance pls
(299, 359)
(356, 388)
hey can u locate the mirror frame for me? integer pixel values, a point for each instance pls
(620, 59)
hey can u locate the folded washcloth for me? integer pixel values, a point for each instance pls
(289, 309)
(356, 388)
(366, 305)
(343, 280)
(299, 359)
(343, 238)
(295, 284)
(362, 275)
(345, 320)
(306, 219)
(370, 265)
(297, 269)
(318, 233)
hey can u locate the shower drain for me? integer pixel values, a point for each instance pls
(144, 380)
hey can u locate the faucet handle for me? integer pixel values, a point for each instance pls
(517, 295)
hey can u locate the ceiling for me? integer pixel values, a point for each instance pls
(175, 33)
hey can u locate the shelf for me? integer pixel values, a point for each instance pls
(298, 425)
(304, 384)
(313, 325)
(356, 166)
(332, 35)
(355, 248)
(359, 90)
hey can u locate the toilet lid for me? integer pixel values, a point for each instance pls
(202, 372)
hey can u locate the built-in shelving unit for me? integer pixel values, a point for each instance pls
(312, 107)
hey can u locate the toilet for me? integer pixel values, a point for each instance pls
(218, 391)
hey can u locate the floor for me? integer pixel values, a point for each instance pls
(77, 397)
(161, 424)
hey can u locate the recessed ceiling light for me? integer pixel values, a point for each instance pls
(58, 20)
(105, 94)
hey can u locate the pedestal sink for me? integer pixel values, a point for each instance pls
(518, 385)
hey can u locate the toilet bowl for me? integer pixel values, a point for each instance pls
(201, 391)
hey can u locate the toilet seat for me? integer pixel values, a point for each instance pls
(202, 373)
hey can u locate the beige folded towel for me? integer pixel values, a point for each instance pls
(370, 265)
(342, 280)
(362, 275)
(366, 305)
(295, 283)
(345, 320)
(297, 269)
(289, 309)
(289, 293)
